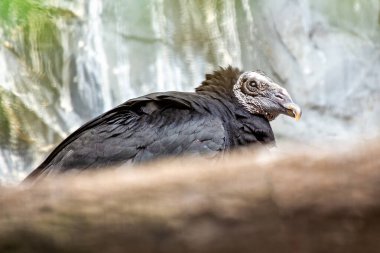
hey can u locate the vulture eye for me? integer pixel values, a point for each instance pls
(250, 88)
(253, 83)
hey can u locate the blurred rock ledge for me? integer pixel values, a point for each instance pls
(302, 200)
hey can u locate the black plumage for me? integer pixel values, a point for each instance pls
(162, 124)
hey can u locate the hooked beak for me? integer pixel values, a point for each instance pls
(288, 106)
(293, 110)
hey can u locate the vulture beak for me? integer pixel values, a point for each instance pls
(288, 106)
(293, 110)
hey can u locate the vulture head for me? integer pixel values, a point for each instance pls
(260, 95)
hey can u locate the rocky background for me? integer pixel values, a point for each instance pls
(63, 62)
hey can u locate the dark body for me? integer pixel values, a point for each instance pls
(162, 124)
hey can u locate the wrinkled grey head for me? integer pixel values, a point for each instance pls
(260, 95)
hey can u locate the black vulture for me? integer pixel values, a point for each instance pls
(229, 109)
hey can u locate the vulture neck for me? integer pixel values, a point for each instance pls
(220, 85)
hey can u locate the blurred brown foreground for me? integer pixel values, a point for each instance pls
(303, 200)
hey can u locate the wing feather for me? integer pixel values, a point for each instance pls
(141, 129)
